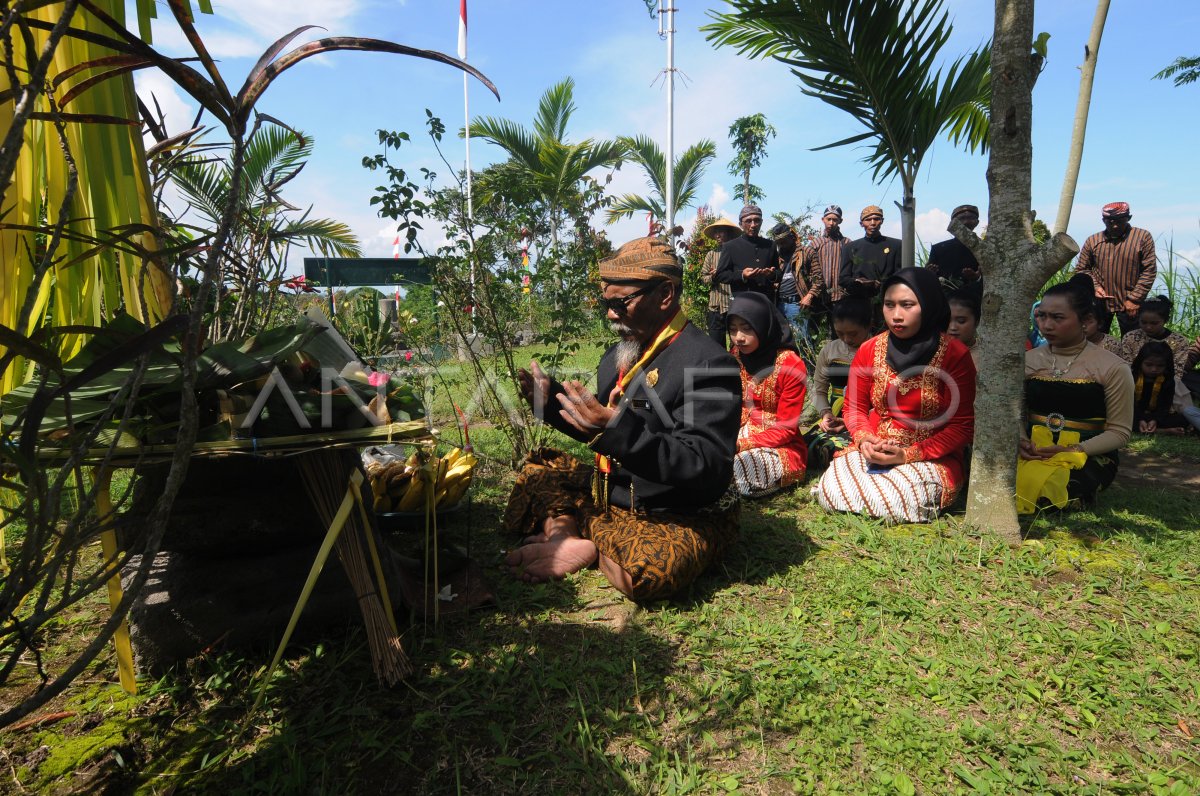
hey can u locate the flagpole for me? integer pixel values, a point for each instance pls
(666, 8)
(462, 54)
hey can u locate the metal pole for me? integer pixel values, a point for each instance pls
(470, 222)
(470, 206)
(670, 197)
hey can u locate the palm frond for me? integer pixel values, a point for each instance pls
(203, 183)
(876, 60)
(969, 124)
(645, 151)
(1184, 70)
(323, 235)
(629, 205)
(689, 169)
(273, 155)
(551, 166)
(602, 154)
(513, 138)
(554, 111)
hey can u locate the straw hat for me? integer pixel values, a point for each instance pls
(722, 223)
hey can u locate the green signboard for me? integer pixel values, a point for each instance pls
(366, 271)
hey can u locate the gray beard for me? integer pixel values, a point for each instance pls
(628, 352)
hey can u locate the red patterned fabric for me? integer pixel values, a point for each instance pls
(932, 414)
(771, 414)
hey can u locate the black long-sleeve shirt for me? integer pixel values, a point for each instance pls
(864, 258)
(951, 257)
(673, 441)
(749, 252)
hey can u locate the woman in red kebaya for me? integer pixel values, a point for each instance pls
(909, 410)
(771, 449)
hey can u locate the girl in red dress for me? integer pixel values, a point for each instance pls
(909, 410)
(771, 450)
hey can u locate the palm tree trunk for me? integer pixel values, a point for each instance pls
(908, 224)
(558, 274)
(1016, 269)
(1066, 199)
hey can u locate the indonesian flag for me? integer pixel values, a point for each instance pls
(396, 247)
(462, 30)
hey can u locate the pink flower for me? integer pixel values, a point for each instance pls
(377, 378)
(299, 284)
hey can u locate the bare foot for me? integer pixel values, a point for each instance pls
(554, 528)
(543, 561)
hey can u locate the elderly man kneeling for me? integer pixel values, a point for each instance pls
(657, 507)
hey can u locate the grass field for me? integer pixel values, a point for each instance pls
(825, 654)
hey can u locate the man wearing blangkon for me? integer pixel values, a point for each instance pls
(1122, 264)
(656, 509)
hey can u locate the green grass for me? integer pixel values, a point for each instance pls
(1160, 446)
(826, 654)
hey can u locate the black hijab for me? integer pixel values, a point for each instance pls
(772, 329)
(918, 350)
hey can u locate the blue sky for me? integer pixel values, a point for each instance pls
(1140, 132)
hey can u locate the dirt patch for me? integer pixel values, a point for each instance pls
(1142, 469)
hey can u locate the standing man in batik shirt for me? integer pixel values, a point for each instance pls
(1122, 264)
(822, 261)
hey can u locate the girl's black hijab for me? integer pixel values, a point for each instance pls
(773, 330)
(918, 350)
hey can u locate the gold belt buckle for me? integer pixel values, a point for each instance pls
(1055, 422)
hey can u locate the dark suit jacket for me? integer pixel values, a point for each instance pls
(673, 440)
(747, 252)
(869, 259)
(951, 257)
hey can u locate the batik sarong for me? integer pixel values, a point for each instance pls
(662, 552)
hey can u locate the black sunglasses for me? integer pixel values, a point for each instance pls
(620, 305)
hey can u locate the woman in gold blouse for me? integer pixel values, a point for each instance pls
(1079, 403)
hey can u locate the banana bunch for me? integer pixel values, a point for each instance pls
(405, 486)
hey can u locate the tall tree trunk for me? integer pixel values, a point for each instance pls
(1091, 51)
(746, 187)
(1015, 268)
(559, 283)
(908, 227)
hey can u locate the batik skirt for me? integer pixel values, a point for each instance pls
(913, 492)
(662, 552)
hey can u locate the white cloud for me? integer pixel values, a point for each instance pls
(245, 28)
(931, 226)
(178, 110)
(1188, 257)
(270, 19)
(718, 198)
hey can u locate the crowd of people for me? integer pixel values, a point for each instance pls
(832, 363)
